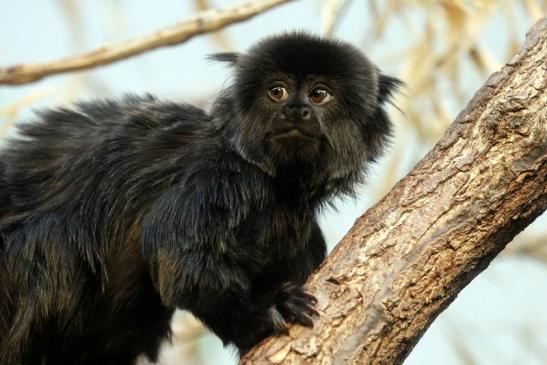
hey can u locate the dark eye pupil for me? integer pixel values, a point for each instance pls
(318, 94)
(277, 93)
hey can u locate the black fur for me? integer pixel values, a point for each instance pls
(115, 213)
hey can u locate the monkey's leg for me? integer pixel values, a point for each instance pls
(196, 264)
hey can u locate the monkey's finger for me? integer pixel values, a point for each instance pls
(278, 322)
(295, 290)
(302, 303)
(300, 316)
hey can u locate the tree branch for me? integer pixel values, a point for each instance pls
(201, 23)
(409, 256)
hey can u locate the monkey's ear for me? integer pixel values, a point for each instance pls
(230, 57)
(387, 86)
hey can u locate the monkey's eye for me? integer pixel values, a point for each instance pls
(278, 93)
(320, 96)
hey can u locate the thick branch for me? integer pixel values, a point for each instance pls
(408, 257)
(202, 23)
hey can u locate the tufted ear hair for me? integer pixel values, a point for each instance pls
(230, 57)
(387, 85)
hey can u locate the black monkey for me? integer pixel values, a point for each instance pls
(117, 212)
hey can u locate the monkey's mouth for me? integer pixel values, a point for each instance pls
(292, 133)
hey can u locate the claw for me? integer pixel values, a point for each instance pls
(311, 298)
(311, 310)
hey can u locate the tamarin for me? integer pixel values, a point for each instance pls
(117, 212)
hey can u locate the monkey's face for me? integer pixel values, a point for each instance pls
(296, 108)
(304, 100)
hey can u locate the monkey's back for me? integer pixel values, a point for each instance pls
(75, 185)
(98, 146)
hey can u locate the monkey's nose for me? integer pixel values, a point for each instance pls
(297, 112)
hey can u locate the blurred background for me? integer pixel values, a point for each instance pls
(443, 50)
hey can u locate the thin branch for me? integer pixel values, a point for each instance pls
(332, 13)
(207, 21)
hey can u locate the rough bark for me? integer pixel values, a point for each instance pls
(409, 256)
(204, 22)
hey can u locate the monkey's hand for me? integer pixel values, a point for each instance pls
(292, 304)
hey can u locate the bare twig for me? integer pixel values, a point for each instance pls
(332, 12)
(208, 21)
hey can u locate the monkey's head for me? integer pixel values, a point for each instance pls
(302, 101)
